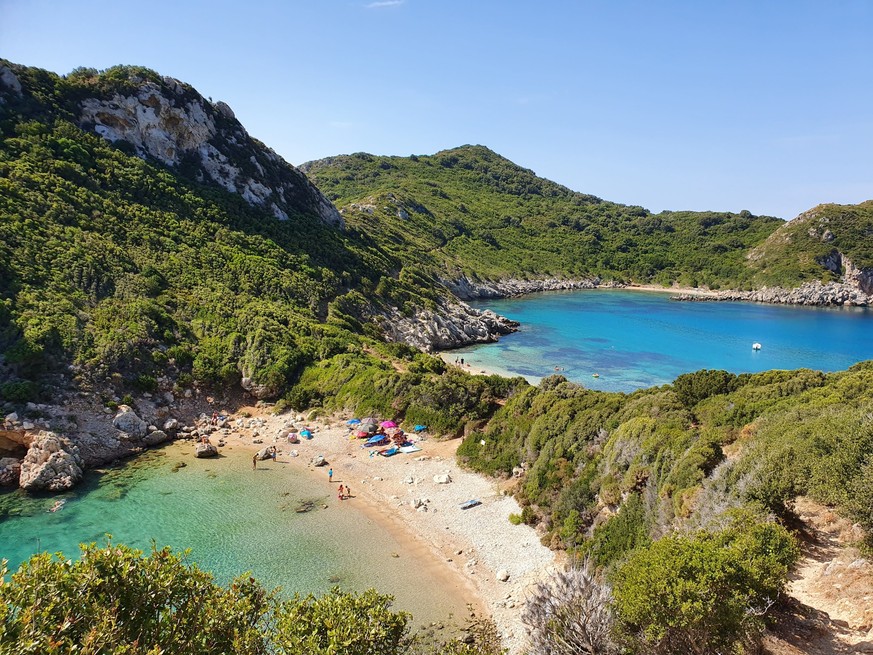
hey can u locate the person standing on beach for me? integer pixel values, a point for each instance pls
(348, 492)
(255, 461)
(330, 475)
(340, 492)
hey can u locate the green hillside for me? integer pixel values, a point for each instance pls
(812, 246)
(479, 214)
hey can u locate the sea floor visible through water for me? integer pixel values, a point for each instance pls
(235, 519)
(621, 340)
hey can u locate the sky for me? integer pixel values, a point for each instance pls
(764, 105)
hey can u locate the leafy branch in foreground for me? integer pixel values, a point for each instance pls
(116, 601)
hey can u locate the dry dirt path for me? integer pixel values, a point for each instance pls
(830, 605)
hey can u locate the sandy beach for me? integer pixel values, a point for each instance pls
(466, 548)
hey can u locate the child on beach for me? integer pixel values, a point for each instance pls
(330, 475)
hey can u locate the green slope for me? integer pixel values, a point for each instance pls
(479, 214)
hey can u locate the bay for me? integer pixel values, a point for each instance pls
(638, 339)
(233, 520)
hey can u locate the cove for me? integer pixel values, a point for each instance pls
(234, 520)
(638, 339)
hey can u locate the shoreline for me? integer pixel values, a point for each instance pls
(464, 549)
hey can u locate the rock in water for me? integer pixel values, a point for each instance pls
(52, 463)
(205, 450)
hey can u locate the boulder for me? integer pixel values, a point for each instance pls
(155, 438)
(265, 453)
(442, 478)
(52, 462)
(205, 450)
(170, 425)
(502, 575)
(319, 460)
(10, 471)
(127, 421)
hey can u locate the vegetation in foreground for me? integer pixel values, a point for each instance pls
(116, 601)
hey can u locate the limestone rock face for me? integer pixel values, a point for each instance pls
(51, 463)
(858, 277)
(171, 122)
(127, 421)
(811, 293)
(9, 80)
(451, 325)
(10, 471)
(259, 391)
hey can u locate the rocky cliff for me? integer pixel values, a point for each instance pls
(452, 325)
(168, 121)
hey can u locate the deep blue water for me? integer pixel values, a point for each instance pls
(636, 339)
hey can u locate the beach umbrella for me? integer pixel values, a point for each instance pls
(360, 434)
(369, 419)
(389, 424)
(353, 421)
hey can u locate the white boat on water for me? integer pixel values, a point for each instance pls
(756, 346)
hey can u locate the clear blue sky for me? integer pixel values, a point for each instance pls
(759, 105)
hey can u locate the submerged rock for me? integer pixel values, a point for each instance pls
(52, 462)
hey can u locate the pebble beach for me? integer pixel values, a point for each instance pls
(418, 497)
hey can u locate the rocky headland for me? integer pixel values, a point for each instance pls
(812, 293)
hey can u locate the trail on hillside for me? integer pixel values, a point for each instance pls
(829, 610)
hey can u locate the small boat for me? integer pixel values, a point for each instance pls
(595, 375)
(756, 346)
(471, 503)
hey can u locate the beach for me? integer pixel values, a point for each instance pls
(467, 549)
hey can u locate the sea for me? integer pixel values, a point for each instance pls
(618, 340)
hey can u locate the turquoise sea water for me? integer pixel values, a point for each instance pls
(636, 339)
(233, 519)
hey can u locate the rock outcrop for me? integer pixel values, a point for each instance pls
(52, 463)
(170, 122)
(812, 293)
(467, 289)
(451, 325)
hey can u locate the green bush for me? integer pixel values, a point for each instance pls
(21, 391)
(702, 593)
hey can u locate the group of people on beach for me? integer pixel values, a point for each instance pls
(344, 492)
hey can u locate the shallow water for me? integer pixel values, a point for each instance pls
(635, 339)
(234, 520)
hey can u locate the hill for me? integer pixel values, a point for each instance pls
(479, 215)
